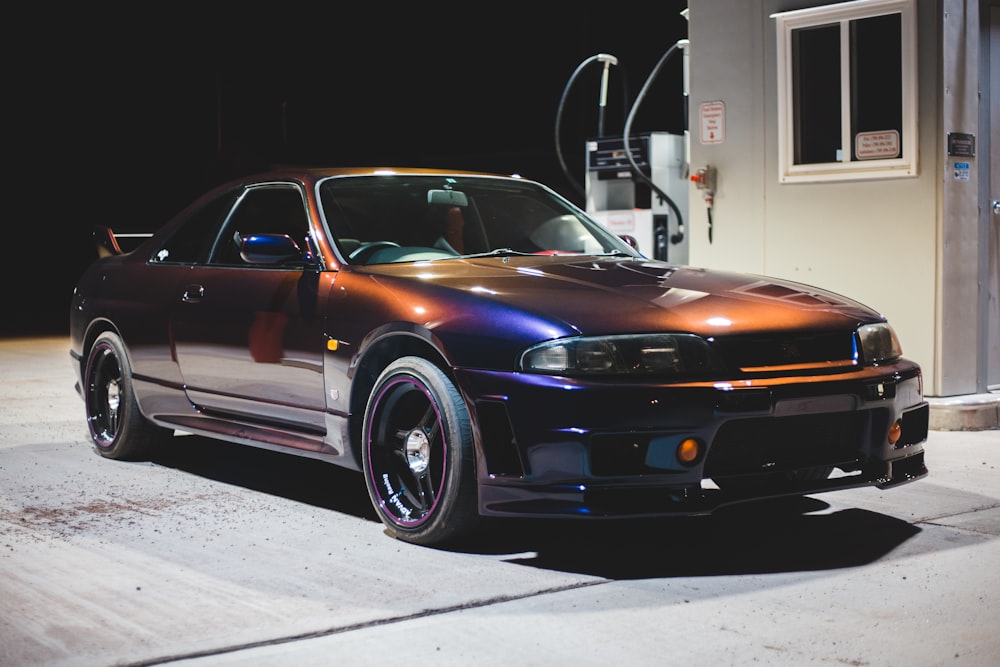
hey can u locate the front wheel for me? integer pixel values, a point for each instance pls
(117, 427)
(417, 454)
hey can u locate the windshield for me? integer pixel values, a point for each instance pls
(403, 218)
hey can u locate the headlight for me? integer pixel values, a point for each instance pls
(878, 343)
(653, 354)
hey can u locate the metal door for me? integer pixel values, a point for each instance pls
(993, 316)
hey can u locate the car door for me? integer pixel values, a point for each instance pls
(249, 337)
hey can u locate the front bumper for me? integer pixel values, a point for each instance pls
(558, 447)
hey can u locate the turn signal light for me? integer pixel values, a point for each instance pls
(895, 431)
(689, 451)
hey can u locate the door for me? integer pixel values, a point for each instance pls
(249, 338)
(993, 316)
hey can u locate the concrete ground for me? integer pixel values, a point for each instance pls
(214, 554)
(972, 412)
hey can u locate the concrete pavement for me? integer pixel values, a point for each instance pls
(220, 555)
(971, 412)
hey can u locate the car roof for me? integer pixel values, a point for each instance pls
(312, 175)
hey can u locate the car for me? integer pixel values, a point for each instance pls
(476, 346)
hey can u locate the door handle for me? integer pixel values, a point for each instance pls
(193, 294)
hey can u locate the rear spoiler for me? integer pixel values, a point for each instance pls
(107, 243)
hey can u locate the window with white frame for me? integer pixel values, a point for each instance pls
(847, 91)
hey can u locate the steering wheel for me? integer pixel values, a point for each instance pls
(362, 254)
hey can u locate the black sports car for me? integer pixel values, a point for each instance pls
(477, 346)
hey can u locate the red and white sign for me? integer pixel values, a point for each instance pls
(620, 222)
(876, 145)
(713, 122)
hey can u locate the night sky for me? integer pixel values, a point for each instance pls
(121, 118)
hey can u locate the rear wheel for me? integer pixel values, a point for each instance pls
(418, 456)
(117, 428)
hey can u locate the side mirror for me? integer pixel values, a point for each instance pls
(271, 249)
(630, 241)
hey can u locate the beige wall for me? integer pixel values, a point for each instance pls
(874, 241)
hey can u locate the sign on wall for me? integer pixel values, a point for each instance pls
(876, 145)
(713, 122)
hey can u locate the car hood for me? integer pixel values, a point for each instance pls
(627, 295)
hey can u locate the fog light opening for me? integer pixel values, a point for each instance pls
(689, 451)
(895, 432)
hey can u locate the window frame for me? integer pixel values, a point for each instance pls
(223, 246)
(847, 169)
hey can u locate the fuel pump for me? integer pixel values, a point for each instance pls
(618, 196)
(637, 186)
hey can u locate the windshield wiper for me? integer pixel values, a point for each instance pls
(509, 252)
(499, 252)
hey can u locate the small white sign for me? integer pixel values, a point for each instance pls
(962, 171)
(621, 222)
(713, 122)
(876, 145)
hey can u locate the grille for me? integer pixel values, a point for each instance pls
(620, 454)
(783, 350)
(753, 446)
(915, 425)
(498, 441)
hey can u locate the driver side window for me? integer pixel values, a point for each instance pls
(274, 209)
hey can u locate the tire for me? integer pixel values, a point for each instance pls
(117, 427)
(418, 456)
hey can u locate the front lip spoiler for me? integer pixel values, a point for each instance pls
(648, 501)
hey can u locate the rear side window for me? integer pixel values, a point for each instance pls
(192, 241)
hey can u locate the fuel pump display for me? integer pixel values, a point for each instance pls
(626, 206)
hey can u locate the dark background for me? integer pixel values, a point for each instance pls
(121, 116)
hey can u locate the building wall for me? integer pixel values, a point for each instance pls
(959, 241)
(874, 241)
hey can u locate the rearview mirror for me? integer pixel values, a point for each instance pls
(447, 198)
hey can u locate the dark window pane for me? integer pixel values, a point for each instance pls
(266, 210)
(191, 242)
(877, 77)
(816, 93)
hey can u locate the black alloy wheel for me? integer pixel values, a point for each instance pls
(117, 427)
(418, 456)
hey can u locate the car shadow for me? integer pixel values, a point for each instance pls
(297, 478)
(779, 535)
